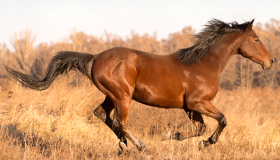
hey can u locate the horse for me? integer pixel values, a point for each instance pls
(187, 79)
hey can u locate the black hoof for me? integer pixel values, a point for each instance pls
(122, 146)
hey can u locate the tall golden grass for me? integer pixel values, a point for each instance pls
(59, 123)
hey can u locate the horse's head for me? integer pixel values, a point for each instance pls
(251, 47)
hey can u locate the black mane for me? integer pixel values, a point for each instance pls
(213, 31)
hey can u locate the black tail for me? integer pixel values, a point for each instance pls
(61, 63)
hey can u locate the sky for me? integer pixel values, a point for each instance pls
(54, 20)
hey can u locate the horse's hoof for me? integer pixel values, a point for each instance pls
(201, 145)
(123, 146)
(141, 146)
(167, 136)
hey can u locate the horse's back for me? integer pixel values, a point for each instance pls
(140, 60)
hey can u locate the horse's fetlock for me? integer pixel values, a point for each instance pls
(223, 121)
(213, 139)
(117, 123)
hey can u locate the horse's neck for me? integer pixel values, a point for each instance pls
(221, 52)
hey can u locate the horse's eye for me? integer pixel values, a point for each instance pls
(257, 40)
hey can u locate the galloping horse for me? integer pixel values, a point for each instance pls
(187, 79)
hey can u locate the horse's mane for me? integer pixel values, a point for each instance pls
(212, 32)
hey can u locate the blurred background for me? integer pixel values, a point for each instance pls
(52, 21)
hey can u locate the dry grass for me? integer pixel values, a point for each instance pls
(59, 124)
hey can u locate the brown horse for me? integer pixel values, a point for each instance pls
(187, 79)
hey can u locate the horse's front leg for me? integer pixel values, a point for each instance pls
(206, 108)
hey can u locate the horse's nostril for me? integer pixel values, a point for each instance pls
(272, 61)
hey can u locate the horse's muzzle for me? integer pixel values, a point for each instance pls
(268, 64)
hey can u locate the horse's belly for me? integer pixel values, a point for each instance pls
(163, 99)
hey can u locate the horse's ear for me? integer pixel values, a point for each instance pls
(250, 25)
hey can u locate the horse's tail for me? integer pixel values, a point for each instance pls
(61, 63)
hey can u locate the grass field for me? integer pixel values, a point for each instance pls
(59, 124)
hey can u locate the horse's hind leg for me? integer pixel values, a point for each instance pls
(119, 122)
(197, 120)
(103, 113)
